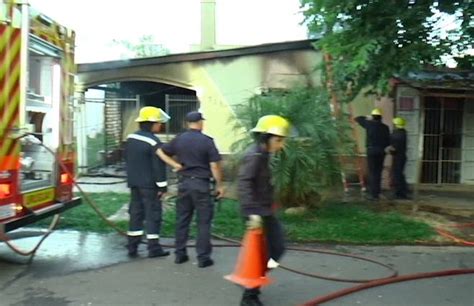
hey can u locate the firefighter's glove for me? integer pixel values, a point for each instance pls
(254, 222)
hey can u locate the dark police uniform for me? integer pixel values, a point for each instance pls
(146, 177)
(256, 196)
(194, 151)
(378, 138)
(398, 140)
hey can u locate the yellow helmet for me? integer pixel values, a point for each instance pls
(152, 114)
(399, 122)
(376, 112)
(272, 124)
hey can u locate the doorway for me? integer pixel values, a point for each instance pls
(442, 140)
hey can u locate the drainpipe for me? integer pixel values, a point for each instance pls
(80, 119)
(208, 24)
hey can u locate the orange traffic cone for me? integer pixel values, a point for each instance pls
(251, 265)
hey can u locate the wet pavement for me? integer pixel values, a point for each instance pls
(73, 268)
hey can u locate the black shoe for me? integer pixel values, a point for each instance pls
(402, 197)
(372, 198)
(206, 263)
(158, 253)
(181, 259)
(251, 300)
(133, 253)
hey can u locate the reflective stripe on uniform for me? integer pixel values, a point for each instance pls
(143, 138)
(152, 236)
(162, 184)
(135, 233)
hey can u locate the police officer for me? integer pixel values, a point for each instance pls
(255, 191)
(398, 149)
(146, 177)
(198, 161)
(378, 138)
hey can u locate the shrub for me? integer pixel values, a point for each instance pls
(309, 162)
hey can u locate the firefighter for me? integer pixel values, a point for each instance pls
(398, 149)
(255, 190)
(198, 162)
(377, 140)
(146, 177)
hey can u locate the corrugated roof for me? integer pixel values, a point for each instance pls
(199, 56)
(453, 79)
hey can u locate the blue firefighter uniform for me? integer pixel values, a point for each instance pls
(146, 177)
(378, 138)
(195, 151)
(256, 191)
(398, 141)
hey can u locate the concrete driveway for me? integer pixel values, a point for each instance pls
(73, 268)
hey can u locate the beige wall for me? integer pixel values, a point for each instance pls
(222, 83)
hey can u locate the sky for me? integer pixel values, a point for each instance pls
(174, 23)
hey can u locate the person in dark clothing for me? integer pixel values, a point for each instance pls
(255, 191)
(146, 177)
(378, 138)
(398, 149)
(198, 162)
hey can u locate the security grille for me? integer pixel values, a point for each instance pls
(442, 140)
(177, 106)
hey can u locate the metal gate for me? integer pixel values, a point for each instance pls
(442, 140)
(177, 106)
(101, 130)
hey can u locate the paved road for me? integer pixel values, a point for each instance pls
(75, 268)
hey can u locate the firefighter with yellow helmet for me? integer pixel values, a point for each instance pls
(398, 149)
(255, 190)
(146, 178)
(377, 140)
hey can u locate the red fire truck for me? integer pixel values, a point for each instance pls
(37, 150)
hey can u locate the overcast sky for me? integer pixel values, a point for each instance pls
(173, 23)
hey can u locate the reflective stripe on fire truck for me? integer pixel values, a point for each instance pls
(10, 45)
(36, 198)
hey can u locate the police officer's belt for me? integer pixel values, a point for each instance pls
(184, 176)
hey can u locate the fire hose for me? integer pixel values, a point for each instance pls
(367, 283)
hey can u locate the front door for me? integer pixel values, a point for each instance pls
(442, 140)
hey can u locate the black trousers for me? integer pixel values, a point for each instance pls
(194, 195)
(375, 165)
(398, 168)
(275, 240)
(145, 206)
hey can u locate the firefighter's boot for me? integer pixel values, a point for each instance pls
(155, 249)
(250, 298)
(132, 245)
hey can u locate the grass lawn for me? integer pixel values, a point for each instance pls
(335, 222)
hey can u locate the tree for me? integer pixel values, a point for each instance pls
(144, 47)
(309, 163)
(370, 41)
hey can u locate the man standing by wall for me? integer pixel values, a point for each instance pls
(378, 138)
(146, 177)
(198, 161)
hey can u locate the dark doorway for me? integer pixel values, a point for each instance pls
(442, 140)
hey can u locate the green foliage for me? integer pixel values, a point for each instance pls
(145, 46)
(354, 223)
(348, 223)
(373, 40)
(309, 161)
(83, 217)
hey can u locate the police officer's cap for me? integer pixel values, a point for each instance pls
(194, 117)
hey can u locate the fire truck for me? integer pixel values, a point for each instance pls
(37, 149)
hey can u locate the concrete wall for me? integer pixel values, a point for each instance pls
(222, 83)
